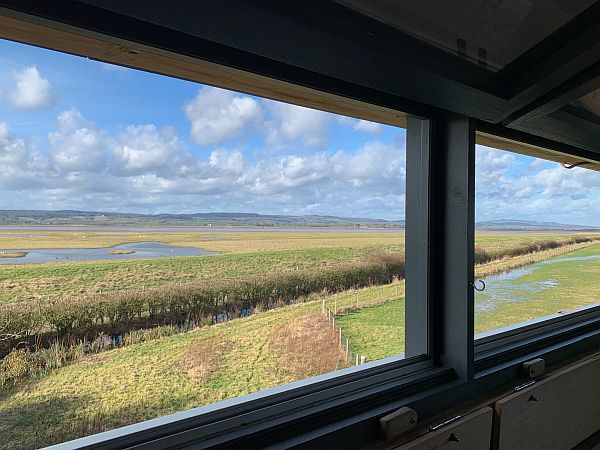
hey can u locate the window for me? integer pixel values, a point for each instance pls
(537, 246)
(166, 245)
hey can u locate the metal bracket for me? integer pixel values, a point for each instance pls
(398, 422)
(535, 367)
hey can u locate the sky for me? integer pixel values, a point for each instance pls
(85, 135)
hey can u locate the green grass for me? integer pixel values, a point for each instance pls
(166, 375)
(36, 281)
(376, 331)
(155, 378)
(578, 285)
(249, 253)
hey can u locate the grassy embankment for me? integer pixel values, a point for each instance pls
(179, 372)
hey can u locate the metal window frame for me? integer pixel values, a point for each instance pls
(346, 405)
(352, 390)
(300, 405)
(496, 349)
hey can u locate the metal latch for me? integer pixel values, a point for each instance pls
(398, 422)
(535, 367)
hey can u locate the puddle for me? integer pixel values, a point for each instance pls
(136, 250)
(508, 287)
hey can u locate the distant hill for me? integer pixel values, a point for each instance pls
(512, 224)
(67, 217)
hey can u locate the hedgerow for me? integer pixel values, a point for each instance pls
(75, 318)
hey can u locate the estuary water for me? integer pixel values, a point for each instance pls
(140, 249)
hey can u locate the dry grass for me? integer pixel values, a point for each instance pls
(224, 241)
(121, 252)
(201, 358)
(13, 254)
(306, 347)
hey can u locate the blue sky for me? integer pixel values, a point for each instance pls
(79, 134)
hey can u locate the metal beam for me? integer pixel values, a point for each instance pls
(418, 140)
(564, 127)
(571, 90)
(567, 53)
(452, 242)
(306, 46)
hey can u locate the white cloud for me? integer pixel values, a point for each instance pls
(31, 90)
(77, 146)
(217, 115)
(368, 127)
(518, 187)
(21, 167)
(291, 123)
(146, 169)
(375, 164)
(361, 125)
(144, 148)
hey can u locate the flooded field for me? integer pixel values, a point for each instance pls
(555, 286)
(135, 250)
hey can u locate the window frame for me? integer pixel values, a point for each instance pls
(308, 399)
(358, 388)
(495, 349)
(314, 410)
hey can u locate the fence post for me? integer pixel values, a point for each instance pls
(335, 307)
(347, 350)
(341, 343)
(357, 300)
(324, 305)
(363, 359)
(356, 360)
(333, 322)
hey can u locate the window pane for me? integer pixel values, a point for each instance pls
(537, 246)
(166, 245)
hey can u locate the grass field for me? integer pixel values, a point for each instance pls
(378, 331)
(149, 379)
(246, 253)
(573, 284)
(219, 241)
(159, 377)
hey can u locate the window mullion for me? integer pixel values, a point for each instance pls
(452, 242)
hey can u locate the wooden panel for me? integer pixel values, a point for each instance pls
(472, 432)
(556, 413)
(490, 140)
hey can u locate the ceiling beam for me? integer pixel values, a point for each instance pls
(278, 46)
(546, 70)
(565, 94)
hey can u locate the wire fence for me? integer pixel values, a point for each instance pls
(353, 357)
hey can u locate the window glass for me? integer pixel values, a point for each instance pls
(166, 245)
(537, 245)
